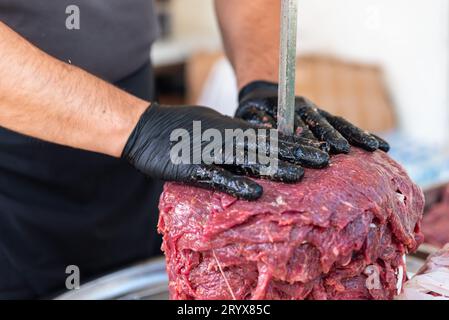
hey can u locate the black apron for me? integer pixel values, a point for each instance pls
(61, 206)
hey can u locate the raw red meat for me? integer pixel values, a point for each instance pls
(431, 282)
(341, 233)
(436, 222)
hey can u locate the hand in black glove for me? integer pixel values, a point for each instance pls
(149, 146)
(258, 103)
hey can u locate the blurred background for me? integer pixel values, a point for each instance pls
(382, 64)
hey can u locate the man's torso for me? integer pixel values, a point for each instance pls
(60, 206)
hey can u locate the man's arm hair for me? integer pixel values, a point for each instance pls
(45, 98)
(251, 35)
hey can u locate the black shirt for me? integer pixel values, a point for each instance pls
(113, 39)
(61, 206)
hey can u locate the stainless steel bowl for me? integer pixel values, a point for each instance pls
(145, 281)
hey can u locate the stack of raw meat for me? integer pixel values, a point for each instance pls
(341, 233)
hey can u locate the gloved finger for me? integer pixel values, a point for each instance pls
(294, 152)
(301, 129)
(302, 154)
(284, 171)
(321, 145)
(216, 178)
(259, 118)
(305, 136)
(321, 127)
(383, 145)
(353, 134)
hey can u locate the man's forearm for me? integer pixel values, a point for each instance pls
(251, 32)
(53, 101)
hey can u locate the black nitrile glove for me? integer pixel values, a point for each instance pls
(149, 146)
(258, 103)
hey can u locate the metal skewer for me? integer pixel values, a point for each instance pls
(287, 67)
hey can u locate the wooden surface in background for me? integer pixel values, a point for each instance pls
(354, 91)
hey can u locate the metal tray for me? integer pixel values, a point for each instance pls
(145, 281)
(148, 281)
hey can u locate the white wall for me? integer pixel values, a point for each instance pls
(409, 38)
(194, 18)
